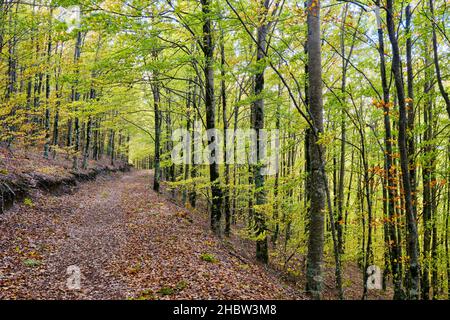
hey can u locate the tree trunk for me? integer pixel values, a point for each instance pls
(258, 125)
(390, 172)
(87, 143)
(47, 91)
(276, 209)
(410, 110)
(157, 113)
(76, 97)
(436, 60)
(427, 194)
(208, 69)
(223, 94)
(412, 236)
(317, 186)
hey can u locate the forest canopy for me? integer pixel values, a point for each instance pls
(358, 91)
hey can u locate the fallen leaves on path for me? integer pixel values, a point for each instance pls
(129, 242)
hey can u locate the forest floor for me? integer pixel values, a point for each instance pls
(129, 243)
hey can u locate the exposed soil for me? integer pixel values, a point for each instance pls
(23, 173)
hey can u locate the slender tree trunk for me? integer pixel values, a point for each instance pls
(410, 110)
(307, 142)
(208, 50)
(223, 94)
(340, 189)
(92, 97)
(427, 194)
(412, 236)
(2, 24)
(11, 88)
(76, 97)
(87, 144)
(47, 91)
(348, 194)
(436, 60)
(58, 91)
(158, 121)
(169, 143)
(112, 146)
(258, 125)
(194, 137)
(276, 209)
(434, 236)
(390, 171)
(188, 155)
(447, 228)
(368, 260)
(235, 182)
(389, 176)
(317, 187)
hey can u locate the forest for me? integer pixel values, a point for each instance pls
(305, 144)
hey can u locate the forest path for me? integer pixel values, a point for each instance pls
(128, 242)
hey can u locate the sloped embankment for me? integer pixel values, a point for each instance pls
(18, 181)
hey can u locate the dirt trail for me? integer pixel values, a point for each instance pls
(128, 242)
